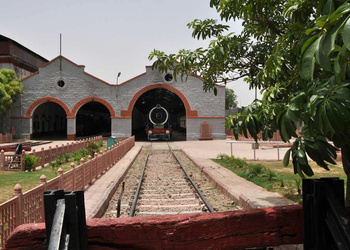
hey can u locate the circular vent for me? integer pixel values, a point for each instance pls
(168, 77)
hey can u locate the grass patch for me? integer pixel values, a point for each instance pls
(273, 176)
(29, 180)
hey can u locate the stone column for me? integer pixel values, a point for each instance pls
(71, 128)
(121, 127)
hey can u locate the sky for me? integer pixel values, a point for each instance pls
(110, 36)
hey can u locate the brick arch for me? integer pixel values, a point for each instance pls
(47, 99)
(79, 104)
(189, 113)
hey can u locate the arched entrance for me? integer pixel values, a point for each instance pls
(167, 99)
(49, 121)
(93, 118)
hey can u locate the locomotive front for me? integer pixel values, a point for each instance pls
(158, 116)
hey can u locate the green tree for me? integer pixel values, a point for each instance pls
(10, 88)
(230, 99)
(297, 52)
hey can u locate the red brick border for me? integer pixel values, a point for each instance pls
(92, 99)
(189, 113)
(36, 103)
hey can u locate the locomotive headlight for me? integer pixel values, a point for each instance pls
(150, 132)
(167, 132)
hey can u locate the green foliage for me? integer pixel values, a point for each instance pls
(10, 89)
(298, 184)
(255, 170)
(67, 157)
(233, 161)
(270, 174)
(92, 148)
(77, 155)
(230, 99)
(30, 162)
(298, 53)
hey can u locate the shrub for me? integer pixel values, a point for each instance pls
(92, 148)
(100, 144)
(270, 174)
(237, 162)
(298, 184)
(66, 157)
(255, 170)
(77, 155)
(30, 162)
(221, 156)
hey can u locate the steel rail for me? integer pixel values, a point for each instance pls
(133, 206)
(120, 200)
(211, 210)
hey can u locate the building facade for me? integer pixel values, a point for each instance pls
(61, 99)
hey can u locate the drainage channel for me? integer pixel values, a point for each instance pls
(163, 182)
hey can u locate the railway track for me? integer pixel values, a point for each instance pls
(163, 187)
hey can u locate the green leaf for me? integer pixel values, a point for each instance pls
(346, 34)
(307, 169)
(329, 40)
(328, 8)
(321, 58)
(321, 20)
(308, 61)
(286, 158)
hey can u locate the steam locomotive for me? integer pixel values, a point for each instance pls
(161, 130)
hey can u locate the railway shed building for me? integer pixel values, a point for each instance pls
(61, 100)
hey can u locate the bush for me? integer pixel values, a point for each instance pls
(77, 155)
(30, 162)
(237, 162)
(92, 148)
(255, 170)
(270, 174)
(66, 157)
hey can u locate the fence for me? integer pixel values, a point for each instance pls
(5, 138)
(14, 162)
(276, 136)
(29, 207)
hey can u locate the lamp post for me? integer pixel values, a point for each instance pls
(119, 73)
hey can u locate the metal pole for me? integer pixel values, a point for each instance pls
(231, 148)
(254, 151)
(278, 151)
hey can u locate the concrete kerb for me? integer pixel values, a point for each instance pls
(96, 206)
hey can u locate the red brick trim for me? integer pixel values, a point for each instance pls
(35, 104)
(30, 75)
(132, 79)
(99, 79)
(71, 137)
(189, 113)
(64, 59)
(92, 99)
